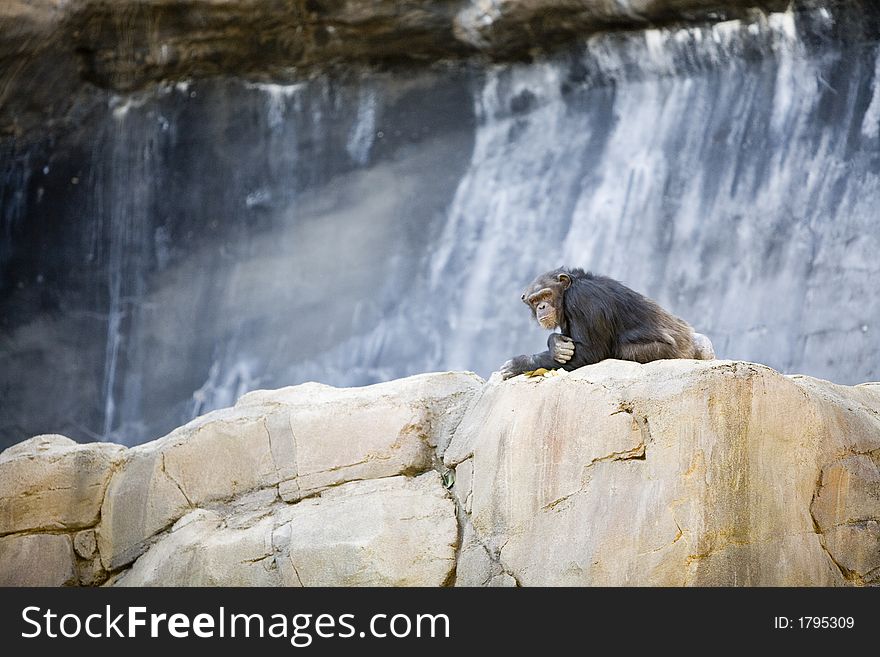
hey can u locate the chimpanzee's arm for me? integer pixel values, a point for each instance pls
(584, 354)
(519, 364)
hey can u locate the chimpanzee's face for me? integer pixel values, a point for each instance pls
(544, 297)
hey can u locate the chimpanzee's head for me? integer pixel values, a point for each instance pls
(544, 297)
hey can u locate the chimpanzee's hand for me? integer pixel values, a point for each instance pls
(561, 347)
(516, 365)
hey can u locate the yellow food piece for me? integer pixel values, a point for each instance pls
(541, 371)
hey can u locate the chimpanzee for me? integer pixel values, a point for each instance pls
(601, 318)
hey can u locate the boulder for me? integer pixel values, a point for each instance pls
(206, 549)
(298, 440)
(673, 473)
(395, 531)
(51, 483)
(141, 501)
(37, 560)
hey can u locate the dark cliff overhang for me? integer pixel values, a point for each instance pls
(52, 49)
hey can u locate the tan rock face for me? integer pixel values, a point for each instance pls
(396, 531)
(846, 510)
(52, 483)
(37, 560)
(213, 495)
(388, 532)
(301, 440)
(201, 550)
(141, 501)
(674, 473)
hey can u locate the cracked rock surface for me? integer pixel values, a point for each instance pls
(308, 485)
(672, 473)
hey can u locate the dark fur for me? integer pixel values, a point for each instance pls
(604, 319)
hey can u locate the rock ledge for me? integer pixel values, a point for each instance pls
(673, 473)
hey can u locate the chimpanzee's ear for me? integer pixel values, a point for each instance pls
(565, 279)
